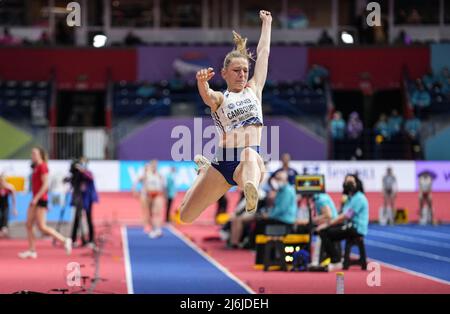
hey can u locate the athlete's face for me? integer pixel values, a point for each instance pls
(236, 74)
(153, 165)
(35, 155)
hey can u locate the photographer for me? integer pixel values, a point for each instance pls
(84, 195)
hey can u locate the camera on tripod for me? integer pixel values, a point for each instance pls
(307, 185)
(76, 163)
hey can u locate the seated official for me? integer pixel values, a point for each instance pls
(325, 212)
(284, 210)
(353, 222)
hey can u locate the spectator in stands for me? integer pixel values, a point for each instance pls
(7, 191)
(421, 98)
(412, 128)
(445, 89)
(354, 126)
(395, 122)
(284, 210)
(382, 127)
(355, 129)
(325, 38)
(316, 76)
(444, 80)
(146, 90)
(171, 191)
(353, 222)
(337, 126)
(337, 131)
(429, 79)
(7, 39)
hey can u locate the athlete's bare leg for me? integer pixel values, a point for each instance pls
(31, 217)
(208, 187)
(156, 210)
(248, 175)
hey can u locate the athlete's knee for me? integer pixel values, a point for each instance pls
(29, 225)
(249, 155)
(43, 228)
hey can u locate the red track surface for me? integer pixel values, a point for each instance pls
(240, 263)
(49, 270)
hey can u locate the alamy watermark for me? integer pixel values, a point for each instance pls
(187, 145)
(374, 17)
(74, 17)
(373, 279)
(73, 274)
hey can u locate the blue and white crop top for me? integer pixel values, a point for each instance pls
(238, 110)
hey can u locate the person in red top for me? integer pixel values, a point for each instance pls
(6, 190)
(37, 210)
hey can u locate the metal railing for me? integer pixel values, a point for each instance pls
(73, 142)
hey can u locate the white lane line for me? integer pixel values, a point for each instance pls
(432, 234)
(183, 238)
(397, 248)
(411, 239)
(126, 255)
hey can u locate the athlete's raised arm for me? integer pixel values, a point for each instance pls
(262, 53)
(210, 97)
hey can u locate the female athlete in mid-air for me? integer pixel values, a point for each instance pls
(237, 114)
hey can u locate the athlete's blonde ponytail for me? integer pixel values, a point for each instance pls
(240, 51)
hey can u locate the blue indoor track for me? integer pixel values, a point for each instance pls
(422, 249)
(168, 265)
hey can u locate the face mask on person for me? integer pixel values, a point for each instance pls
(349, 188)
(278, 184)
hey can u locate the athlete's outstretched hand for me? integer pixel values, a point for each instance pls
(265, 16)
(204, 75)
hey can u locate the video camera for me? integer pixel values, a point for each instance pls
(73, 166)
(309, 184)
